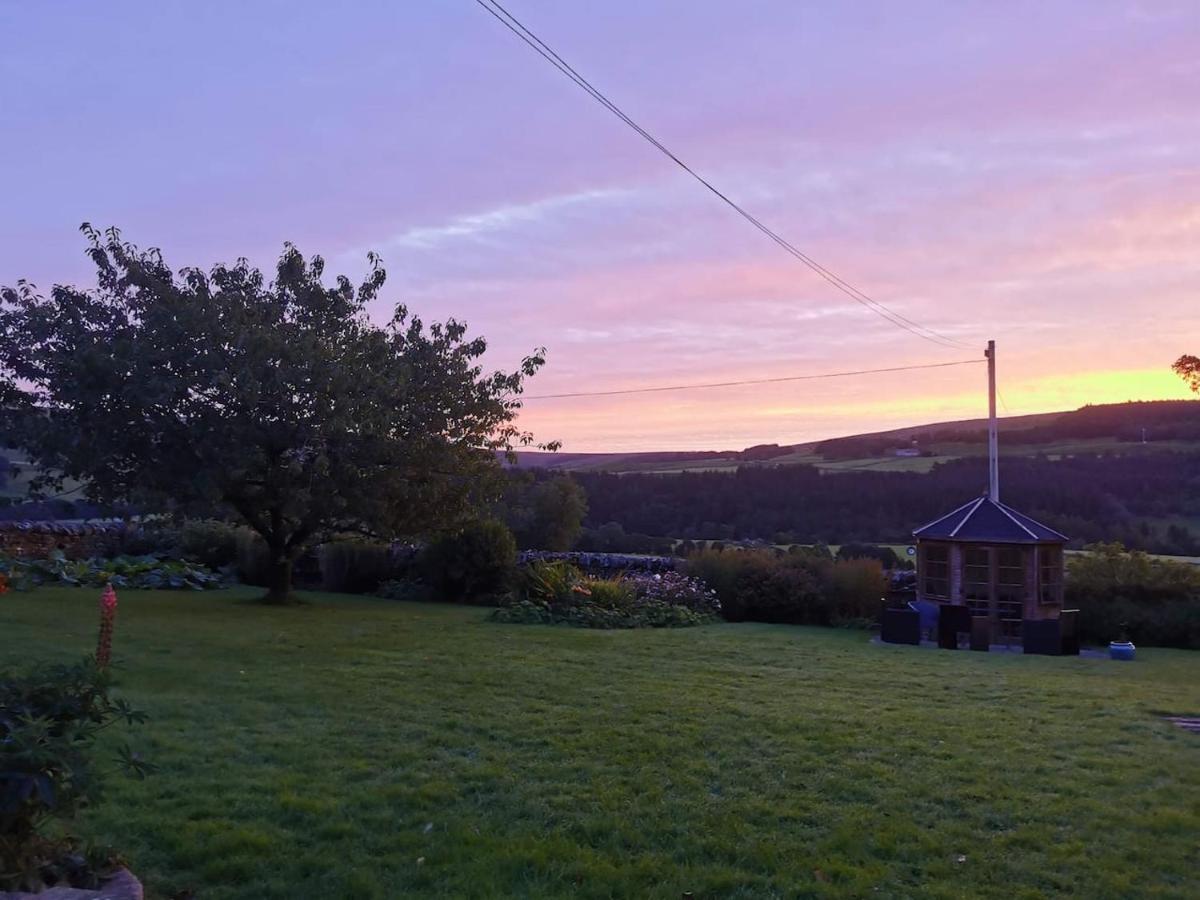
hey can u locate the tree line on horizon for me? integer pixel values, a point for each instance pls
(1148, 504)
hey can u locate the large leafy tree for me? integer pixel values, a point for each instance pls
(1188, 368)
(544, 514)
(279, 400)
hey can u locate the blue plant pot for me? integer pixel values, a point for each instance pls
(1121, 650)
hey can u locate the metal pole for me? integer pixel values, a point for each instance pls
(993, 433)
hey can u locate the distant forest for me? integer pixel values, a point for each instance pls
(1146, 501)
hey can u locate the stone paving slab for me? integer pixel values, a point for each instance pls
(1187, 723)
(122, 886)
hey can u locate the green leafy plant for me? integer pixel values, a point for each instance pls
(144, 572)
(611, 593)
(49, 720)
(1129, 595)
(548, 582)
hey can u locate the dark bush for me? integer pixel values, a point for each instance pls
(355, 566)
(209, 542)
(856, 588)
(804, 586)
(49, 720)
(886, 556)
(410, 589)
(1121, 592)
(143, 539)
(477, 564)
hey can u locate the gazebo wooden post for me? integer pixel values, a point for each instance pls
(1032, 588)
(957, 557)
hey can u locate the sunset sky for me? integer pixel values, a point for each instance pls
(1028, 172)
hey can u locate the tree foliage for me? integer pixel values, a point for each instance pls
(476, 563)
(1188, 368)
(1138, 498)
(544, 514)
(279, 400)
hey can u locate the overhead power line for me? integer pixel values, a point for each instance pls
(721, 384)
(546, 52)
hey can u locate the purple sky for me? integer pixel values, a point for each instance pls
(1023, 171)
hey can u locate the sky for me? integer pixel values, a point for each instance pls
(1026, 172)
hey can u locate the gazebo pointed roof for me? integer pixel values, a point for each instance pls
(988, 521)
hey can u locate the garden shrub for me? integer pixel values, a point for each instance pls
(410, 589)
(49, 720)
(856, 586)
(155, 537)
(615, 594)
(803, 586)
(475, 564)
(547, 582)
(209, 542)
(1123, 592)
(355, 566)
(779, 589)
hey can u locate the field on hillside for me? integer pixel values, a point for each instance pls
(360, 748)
(1110, 429)
(807, 455)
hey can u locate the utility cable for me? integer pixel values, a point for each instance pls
(546, 52)
(721, 384)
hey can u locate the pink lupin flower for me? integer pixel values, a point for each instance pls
(108, 615)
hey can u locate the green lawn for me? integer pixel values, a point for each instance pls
(360, 748)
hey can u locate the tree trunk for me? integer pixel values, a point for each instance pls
(279, 588)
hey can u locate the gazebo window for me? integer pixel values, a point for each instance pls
(977, 579)
(937, 571)
(1050, 580)
(1010, 582)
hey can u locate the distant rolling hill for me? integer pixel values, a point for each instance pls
(1140, 427)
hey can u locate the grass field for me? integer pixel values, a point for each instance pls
(360, 748)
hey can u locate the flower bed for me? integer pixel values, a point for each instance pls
(556, 593)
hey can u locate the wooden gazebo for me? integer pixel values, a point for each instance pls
(988, 570)
(997, 562)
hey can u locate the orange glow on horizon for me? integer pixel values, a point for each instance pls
(709, 420)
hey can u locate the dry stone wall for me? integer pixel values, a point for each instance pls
(37, 540)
